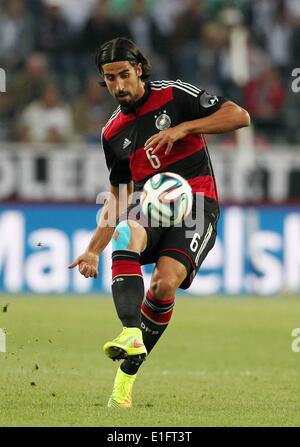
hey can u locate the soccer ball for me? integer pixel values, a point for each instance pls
(166, 199)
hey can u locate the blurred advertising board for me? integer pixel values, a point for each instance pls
(77, 174)
(257, 251)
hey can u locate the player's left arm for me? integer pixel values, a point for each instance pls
(227, 118)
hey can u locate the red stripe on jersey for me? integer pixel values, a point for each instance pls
(120, 268)
(205, 184)
(117, 124)
(156, 100)
(140, 164)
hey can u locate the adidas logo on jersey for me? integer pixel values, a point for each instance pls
(126, 143)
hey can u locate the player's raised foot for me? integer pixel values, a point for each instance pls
(121, 396)
(128, 344)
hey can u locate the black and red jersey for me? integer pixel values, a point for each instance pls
(164, 104)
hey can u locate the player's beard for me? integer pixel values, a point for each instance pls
(125, 99)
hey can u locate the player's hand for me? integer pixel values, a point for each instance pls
(87, 264)
(165, 138)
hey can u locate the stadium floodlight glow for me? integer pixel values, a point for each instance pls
(2, 81)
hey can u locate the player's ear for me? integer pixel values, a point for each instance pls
(139, 69)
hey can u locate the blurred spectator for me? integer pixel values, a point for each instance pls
(264, 99)
(143, 28)
(7, 115)
(101, 27)
(262, 12)
(165, 13)
(46, 120)
(91, 110)
(77, 12)
(258, 61)
(291, 118)
(16, 34)
(30, 82)
(186, 40)
(216, 7)
(35, 7)
(214, 39)
(45, 40)
(278, 40)
(146, 34)
(293, 12)
(224, 71)
(258, 58)
(53, 38)
(295, 46)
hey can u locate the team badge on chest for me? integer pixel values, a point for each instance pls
(162, 121)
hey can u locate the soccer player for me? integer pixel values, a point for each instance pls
(157, 127)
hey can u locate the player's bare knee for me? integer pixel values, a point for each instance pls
(129, 235)
(163, 288)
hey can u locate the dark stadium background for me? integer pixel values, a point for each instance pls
(242, 309)
(52, 111)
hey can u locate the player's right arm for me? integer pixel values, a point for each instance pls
(114, 205)
(120, 177)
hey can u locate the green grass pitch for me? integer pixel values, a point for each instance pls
(222, 362)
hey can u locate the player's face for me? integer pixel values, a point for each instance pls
(123, 81)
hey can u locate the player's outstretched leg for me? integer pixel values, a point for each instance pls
(128, 291)
(155, 317)
(128, 294)
(157, 308)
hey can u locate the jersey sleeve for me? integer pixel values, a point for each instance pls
(119, 170)
(198, 103)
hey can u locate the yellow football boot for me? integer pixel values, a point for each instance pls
(121, 396)
(128, 344)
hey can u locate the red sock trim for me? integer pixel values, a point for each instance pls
(155, 300)
(155, 317)
(120, 268)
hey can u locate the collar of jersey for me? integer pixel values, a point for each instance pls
(134, 107)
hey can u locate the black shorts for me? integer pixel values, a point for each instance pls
(175, 242)
(187, 244)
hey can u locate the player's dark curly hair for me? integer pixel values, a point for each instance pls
(121, 49)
